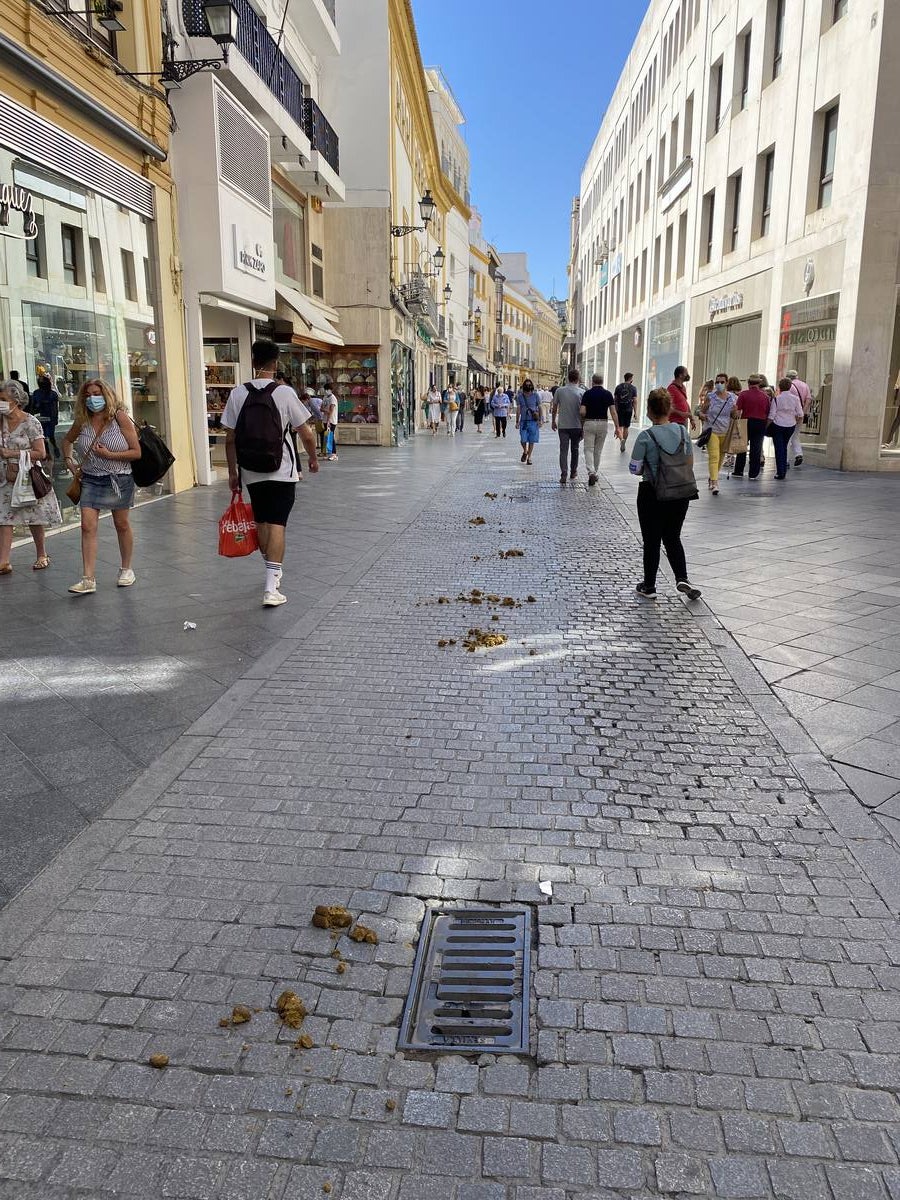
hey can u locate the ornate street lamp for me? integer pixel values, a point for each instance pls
(426, 209)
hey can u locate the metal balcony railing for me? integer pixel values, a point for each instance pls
(420, 299)
(257, 46)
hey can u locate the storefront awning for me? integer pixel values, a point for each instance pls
(475, 365)
(316, 325)
(243, 310)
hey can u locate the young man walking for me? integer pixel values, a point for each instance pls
(681, 406)
(626, 397)
(259, 417)
(566, 420)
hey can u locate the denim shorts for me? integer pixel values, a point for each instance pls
(110, 492)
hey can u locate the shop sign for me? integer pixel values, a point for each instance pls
(809, 335)
(249, 255)
(16, 199)
(723, 304)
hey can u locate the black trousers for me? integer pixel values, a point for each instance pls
(661, 522)
(500, 426)
(756, 432)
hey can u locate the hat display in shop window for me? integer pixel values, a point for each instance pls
(339, 363)
(369, 363)
(354, 364)
(358, 378)
(343, 377)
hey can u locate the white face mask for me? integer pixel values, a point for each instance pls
(720, 387)
(95, 404)
(5, 406)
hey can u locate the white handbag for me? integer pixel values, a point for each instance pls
(23, 493)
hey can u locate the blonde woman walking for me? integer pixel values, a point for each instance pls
(106, 441)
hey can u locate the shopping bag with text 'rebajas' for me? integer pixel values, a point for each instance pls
(237, 529)
(736, 439)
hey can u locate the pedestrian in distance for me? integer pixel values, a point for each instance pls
(597, 406)
(45, 406)
(716, 410)
(681, 406)
(785, 415)
(802, 388)
(20, 430)
(479, 407)
(565, 416)
(433, 408)
(450, 408)
(546, 398)
(461, 410)
(106, 440)
(330, 421)
(499, 406)
(528, 419)
(259, 417)
(663, 459)
(626, 398)
(23, 383)
(753, 405)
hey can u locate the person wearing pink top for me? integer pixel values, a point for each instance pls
(802, 391)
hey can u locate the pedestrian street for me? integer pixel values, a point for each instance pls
(713, 996)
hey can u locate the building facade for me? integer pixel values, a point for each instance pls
(739, 211)
(485, 307)
(89, 259)
(256, 160)
(391, 259)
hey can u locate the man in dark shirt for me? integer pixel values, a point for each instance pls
(596, 406)
(45, 406)
(753, 404)
(626, 395)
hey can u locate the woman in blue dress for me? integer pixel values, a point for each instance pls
(528, 419)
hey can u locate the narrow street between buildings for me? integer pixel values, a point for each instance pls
(715, 1001)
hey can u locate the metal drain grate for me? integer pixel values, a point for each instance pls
(471, 982)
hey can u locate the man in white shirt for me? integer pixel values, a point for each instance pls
(272, 493)
(330, 420)
(795, 446)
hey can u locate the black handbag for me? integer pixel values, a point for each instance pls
(156, 457)
(703, 439)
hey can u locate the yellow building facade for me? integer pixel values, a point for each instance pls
(93, 288)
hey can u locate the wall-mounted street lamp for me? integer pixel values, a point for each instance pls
(475, 319)
(426, 211)
(448, 292)
(432, 263)
(222, 21)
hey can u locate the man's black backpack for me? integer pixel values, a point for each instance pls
(259, 435)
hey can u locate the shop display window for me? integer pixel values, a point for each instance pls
(143, 372)
(70, 345)
(664, 333)
(806, 345)
(221, 360)
(351, 371)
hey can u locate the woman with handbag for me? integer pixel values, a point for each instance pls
(528, 419)
(715, 409)
(107, 442)
(21, 434)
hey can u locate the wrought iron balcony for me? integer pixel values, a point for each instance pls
(257, 46)
(420, 299)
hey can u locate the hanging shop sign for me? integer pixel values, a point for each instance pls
(723, 304)
(17, 199)
(249, 255)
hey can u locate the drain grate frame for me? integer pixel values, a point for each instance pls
(471, 982)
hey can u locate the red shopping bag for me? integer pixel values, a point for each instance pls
(237, 529)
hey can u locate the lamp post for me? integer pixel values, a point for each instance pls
(426, 211)
(222, 22)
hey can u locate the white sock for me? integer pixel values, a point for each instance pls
(273, 576)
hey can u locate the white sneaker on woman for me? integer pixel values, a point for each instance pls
(126, 577)
(84, 587)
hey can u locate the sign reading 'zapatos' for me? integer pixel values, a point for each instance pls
(17, 199)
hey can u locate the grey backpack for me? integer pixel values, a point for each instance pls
(675, 472)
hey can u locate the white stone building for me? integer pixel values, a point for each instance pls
(740, 210)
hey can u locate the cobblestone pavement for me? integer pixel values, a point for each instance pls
(716, 1001)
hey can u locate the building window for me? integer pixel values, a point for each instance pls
(688, 125)
(318, 271)
(682, 246)
(667, 262)
(766, 183)
(148, 279)
(709, 219)
(743, 61)
(840, 10)
(81, 15)
(36, 252)
(829, 146)
(777, 36)
(734, 211)
(715, 99)
(657, 259)
(72, 255)
(128, 279)
(289, 221)
(98, 275)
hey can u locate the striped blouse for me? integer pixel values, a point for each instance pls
(113, 439)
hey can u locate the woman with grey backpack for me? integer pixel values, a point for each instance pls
(663, 457)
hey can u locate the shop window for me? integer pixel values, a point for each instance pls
(72, 254)
(765, 186)
(129, 281)
(318, 271)
(709, 224)
(826, 164)
(734, 211)
(98, 275)
(742, 70)
(36, 252)
(70, 345)
(807, 344)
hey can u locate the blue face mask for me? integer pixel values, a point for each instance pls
(95, 403)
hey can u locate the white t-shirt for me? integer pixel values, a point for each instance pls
(293, 414)
(330, 408)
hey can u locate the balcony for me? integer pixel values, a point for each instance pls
(420, 300)
(258, 48)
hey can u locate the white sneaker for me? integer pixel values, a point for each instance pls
(273, 599)
(332, 458)
(84, 587)
(126, 577)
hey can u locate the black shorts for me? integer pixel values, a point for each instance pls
(272, 501)
(625, 415)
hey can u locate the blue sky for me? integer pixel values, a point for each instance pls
(533, 79)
